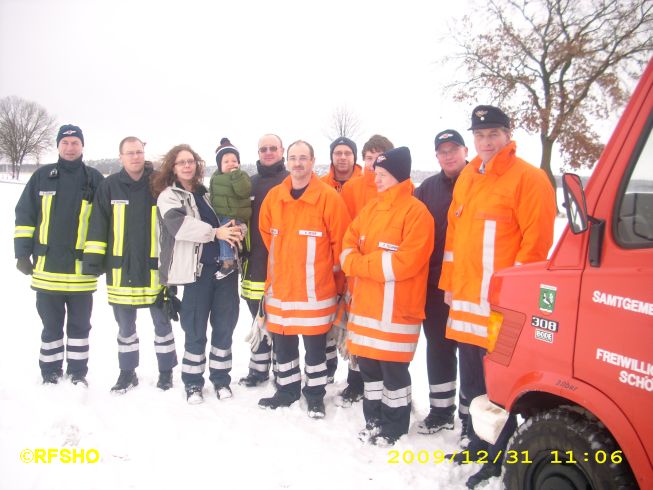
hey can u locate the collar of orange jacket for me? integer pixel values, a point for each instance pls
(358, 170)
(388, 197)
(499, 163)
(310, 195)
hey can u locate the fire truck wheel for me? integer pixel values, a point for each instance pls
(565, 449)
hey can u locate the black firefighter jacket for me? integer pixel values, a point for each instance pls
(122, 240)
(256, 267)
(51, 224)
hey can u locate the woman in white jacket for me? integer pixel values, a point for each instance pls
(189, 235)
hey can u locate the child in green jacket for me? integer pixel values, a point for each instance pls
(230, 191)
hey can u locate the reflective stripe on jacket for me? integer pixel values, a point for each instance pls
(122, 240)
(358, 191)
(497, 219)
(330, 178)
(304, 240)
(385, 256)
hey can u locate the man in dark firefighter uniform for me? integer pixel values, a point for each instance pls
(122, 241)
(51, 223)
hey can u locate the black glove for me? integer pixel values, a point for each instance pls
(24, 265)
(169, 303)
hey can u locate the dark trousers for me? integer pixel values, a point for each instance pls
(331, 356)
(441, 360)
(128, 346)
(354, 378)
(259, 361)
(286, 349)
(472, 382)
(387, 399)
(214, 300)
(75, 311)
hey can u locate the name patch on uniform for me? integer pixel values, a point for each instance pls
(47, 193)
(388, 246)
(310, 233)
(119, 201)
(274, 231)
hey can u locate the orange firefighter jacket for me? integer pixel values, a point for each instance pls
(497, 219)
(358, 191)
(330, 178)
(385, 256)
(304, 240)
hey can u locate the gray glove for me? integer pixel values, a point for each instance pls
(258, 331)
(24, 265)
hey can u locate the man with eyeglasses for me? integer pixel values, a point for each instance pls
(270, 171)
(343, 168)
(122, 241)
(302, 222)
(343, 163)
(51, 223)
(441, 363)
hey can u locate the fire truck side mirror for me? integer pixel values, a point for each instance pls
(572, 188)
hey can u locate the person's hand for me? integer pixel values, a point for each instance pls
(24, 265)
(447, 298)
(229, 233)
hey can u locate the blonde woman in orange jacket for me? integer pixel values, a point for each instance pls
(385, 255)
(302, 222)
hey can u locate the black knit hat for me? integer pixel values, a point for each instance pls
(448, 136)
(488, 116)
(343, 141)
(397, 162)
(224, 148)
(69, 130)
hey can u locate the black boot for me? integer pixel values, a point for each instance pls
(126, 381)
(487, 471)
(165, 380)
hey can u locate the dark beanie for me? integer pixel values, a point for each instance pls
(224, 148)
(70, 130)
(397, 162)
(344, 141)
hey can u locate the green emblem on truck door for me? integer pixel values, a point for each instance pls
(547, 298)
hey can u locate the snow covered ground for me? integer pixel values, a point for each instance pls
(155, 440)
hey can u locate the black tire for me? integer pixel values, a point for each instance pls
(572, 434)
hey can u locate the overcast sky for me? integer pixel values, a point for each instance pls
(194, 71)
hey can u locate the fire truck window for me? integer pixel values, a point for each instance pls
(635, 214)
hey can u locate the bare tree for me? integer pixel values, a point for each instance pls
(343, 123)
(26, 129)
(555, 66)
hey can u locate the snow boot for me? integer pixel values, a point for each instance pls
(348, 396)
(279, 399)
(371, 429)
(316, 408)
(79, 380)
(435, 421)
(487, 471)
(165, 380)
(252, 380)
(126, 381)
(194, 395)
(222, 392)
(52, 377)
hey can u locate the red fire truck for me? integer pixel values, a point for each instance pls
(572, 349)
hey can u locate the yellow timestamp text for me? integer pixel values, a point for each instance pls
(508, 457)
